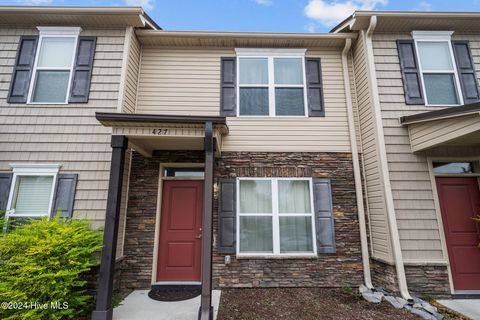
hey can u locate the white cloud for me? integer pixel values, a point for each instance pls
(329, 12)
(145, 4)
(264, 2)
(424, 5)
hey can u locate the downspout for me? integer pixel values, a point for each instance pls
(383, 162)
(356, 167)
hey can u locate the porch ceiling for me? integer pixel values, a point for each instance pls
(149, 132)
(458, 126)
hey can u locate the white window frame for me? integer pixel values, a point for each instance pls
(276, 220)
(270, 55)
(20, 170)
(438, 36)
(54, 32)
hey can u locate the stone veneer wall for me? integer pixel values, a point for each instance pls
(344, 268)
(384, 275)
(428, 280)
(421, 280)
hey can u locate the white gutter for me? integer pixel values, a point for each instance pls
(383, 162)
(356, 166)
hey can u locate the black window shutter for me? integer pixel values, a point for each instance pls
(22, 72)
(324, 224)
(5, 184)
(466, 71)
(412, 84)
(227, 216)
(228, 97)
(314, 87)
(82, 70)
(64, 195)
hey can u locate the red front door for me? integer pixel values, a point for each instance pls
(180, 229)
(459, 203)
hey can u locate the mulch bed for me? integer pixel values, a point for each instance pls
(303, 304)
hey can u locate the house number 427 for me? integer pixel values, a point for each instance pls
(160, 132)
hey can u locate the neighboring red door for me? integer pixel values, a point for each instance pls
(180, 229)
(460, 202)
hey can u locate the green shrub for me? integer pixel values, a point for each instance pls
(43, 263)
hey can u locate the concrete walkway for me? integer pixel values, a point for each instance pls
(467, 307)
(138, 306)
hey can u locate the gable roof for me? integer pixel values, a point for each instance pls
(405, 21)
(76, 15)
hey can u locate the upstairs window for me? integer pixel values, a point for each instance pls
(53, 66)
(271, 82)
(437, 68)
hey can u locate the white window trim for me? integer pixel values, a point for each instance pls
(20, 169)
(270, 55)
(276, 221)
(438, 36)
(54, 32)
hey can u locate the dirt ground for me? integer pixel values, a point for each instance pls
(302, 304)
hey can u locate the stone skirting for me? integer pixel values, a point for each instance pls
(342, 269)
(422, 280)
(384, 275)
(428, 280)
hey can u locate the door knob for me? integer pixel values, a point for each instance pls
(200, 235)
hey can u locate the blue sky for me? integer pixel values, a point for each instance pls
(260, 15)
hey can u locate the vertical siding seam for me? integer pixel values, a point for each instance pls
(378, 133)
(361, 153)
(140, 49)
(123, 74)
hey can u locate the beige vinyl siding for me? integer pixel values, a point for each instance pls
(131, 74)
(409, 173)
(184, 81)
(180, 81)
(65, 134)
(428, 134)
(377, 215)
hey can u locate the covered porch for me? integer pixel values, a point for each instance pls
(449, 140)
(151, 135)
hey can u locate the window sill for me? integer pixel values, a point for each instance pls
(46, 103)
(442, 105)
(276, 257)
(271, 117)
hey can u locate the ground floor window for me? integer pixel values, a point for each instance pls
(275, 216)
(31, 192)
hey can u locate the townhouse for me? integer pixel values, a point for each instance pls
(219, 159)
(242, 173)
(416, 75)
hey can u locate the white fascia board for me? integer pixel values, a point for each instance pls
(35, 167)
(67, 31)
(269, 52)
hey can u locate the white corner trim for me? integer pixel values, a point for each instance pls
(35, 167)
(432, 35)
(269, 52)
(71, 31)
